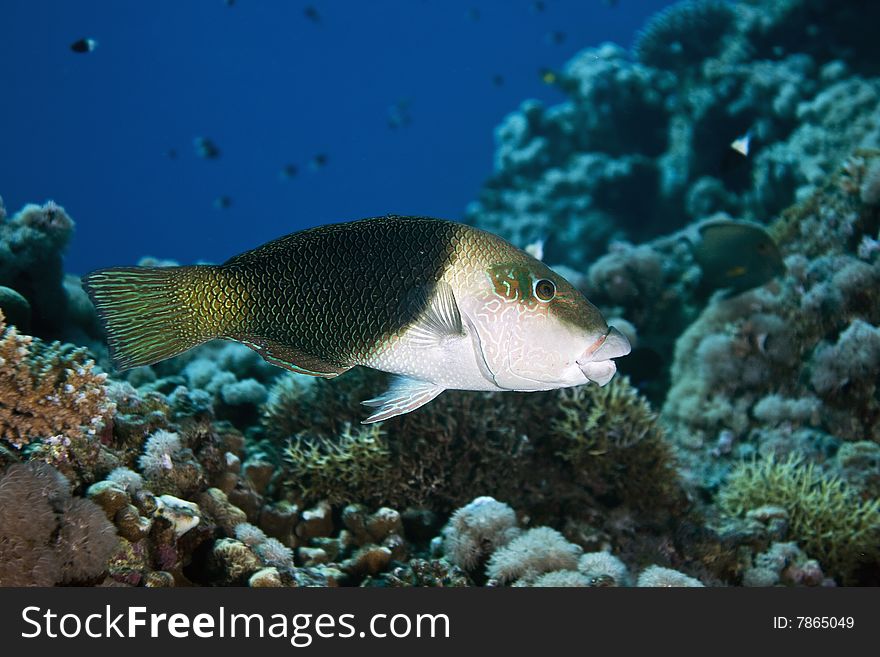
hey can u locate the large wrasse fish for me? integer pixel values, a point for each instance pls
(439, 304)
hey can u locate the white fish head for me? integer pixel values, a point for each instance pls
(535, 331)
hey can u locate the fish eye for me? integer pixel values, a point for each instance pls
(545, 289)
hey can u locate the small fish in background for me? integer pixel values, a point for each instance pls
(438, 304)
(741, 144)
(398, 114)
(556, 38)
(205, 148)
(318, 162)
(734, 255)
(472, 14)
(84, 45)
(498, 80)
(229, 3)
(548, 76)
(610, 3)
(312, 14)
(735, 159)
(539, 6)
(222, 202)
(171, 153)
(288, 171)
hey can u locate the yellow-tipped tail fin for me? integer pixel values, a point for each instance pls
(154, 313)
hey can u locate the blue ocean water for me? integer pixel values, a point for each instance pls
(271, 87)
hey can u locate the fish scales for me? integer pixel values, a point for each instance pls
(440, 305)
(337, 292)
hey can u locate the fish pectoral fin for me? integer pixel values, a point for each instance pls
(440, 318)
(405, 394)
(290, 358)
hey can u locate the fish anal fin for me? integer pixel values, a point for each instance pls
(290, 358)
(440, 318)
(404, 395)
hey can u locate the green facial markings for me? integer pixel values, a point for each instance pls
(514, 283)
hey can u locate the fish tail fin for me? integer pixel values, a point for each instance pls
(153, 313)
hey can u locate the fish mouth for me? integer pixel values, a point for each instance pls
(596, 362)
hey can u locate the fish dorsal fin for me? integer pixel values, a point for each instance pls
(405, 394)
(292, 359)
(440, 318)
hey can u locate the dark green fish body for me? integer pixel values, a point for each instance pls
(333, 293)
(735, 255)
(440, 304)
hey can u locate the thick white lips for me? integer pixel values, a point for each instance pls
(596, 363)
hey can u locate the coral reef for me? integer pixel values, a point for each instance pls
(826, 517)
(791, 366)
(540, 556)
(603, 569)
(48, 536)
(738, 445)
(533, 553)
(785, 564)
(49, 392)
(476, 530)
(684, 34)
(659, 577)
(428, 458)
(32, 242)
(565, 171)
(556, 455)
(704, 73)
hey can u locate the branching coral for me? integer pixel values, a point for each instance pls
(506, 445)
(617, 449)
(48, 390)
(467, 444)
(436, 457)
(827, 517)
(341, 469)
(595, 420)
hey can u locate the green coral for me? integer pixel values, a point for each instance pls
(595, 420)
(428, 458)
(339, 470)
(556, 454)
(611, 437)
(826, 516)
